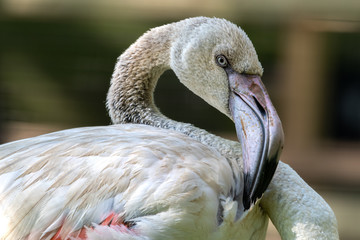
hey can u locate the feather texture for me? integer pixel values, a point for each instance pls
(132, 170)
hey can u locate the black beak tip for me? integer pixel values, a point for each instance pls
(254, 187)
(247, 199)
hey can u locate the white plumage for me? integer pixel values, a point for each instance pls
(131, 168)
(169, 180)
(77, 177)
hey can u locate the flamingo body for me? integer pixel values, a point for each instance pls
(164, 192)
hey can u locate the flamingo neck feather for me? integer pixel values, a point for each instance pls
(130, 97)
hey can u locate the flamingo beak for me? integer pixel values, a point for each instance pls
(259, 131)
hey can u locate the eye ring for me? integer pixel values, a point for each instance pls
(221, 61)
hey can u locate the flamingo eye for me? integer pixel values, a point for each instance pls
(222, 61)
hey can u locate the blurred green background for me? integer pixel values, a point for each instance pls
(57, 57)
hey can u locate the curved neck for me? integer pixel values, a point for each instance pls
(130, 97)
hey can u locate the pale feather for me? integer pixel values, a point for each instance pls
(83, 174)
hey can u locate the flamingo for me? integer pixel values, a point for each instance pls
(150, 177)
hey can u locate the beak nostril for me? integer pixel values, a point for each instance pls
(261, 109)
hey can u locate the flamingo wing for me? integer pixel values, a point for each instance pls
(80, 182)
